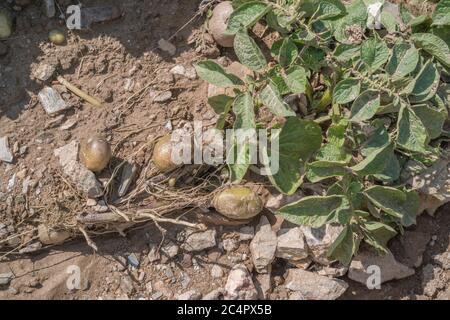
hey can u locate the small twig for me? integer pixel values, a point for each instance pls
(95, 102)
(88, 239)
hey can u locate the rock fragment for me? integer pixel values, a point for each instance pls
(167, 47)
(52, 101)
(320, 239)
(198, 241)
(313, 286)
(190, 295)
(263, 246)
(390, 269)
(291, 245)
(5, 152)
(128, 173)
(240, 285)
(44, 72)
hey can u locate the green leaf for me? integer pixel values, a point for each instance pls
(374, 53)
(403, 60)
(219, 102)
(246, 15)
(378, 234)
(441, 15)
(378, 139)
(391, 171)
(320, 170)
(288, 52)
(434, 46)
(334, 150)
(239, 159)
(346, 90)
(298, 140)
(330, 9)
(375, 162)
(388, 21)
(213, 73)
(248, 51)
(345, 246)
(431, 118)
(296, 79)
(271, 98)
(426, 84)
(365, 106)
(347, 52)
(314, 211)
(403, 205)
(411, 133)
(356, 17)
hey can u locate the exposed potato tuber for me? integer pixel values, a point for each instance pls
(5, 24)
(218, 24)
(50, 236)
(162, 154)
(238, 203)
(95, 154)
(57, 37)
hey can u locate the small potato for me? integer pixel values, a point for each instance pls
(49, 236)
(5, 24)
(238, 203)
(162, 154)
(57, 37)
(95, 154)
(218, 24)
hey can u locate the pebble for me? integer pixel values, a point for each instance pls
(44, 72)
(230, 245)
(170, 249)
(190, 295)
(240, 285)
(5, 24)
(246, 233)
(214, 295)
(69, 124)
(178, 70)
(126, 285)
(263, 246)
(162, 96)
(52, 101)
(319, 240)
(167, 47)
(5, 278)
(216, 271)
(199, 240)
(313, 286)
(84, 179)
(291, 245)
(49, 8)
(133, 260)
(390, 268)
(153, 254)
(128, 173)
(5, 152)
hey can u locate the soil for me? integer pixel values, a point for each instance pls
(116, 61)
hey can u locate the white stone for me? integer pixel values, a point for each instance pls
(5, 152)
(52, 101)
(320, 239)
(168, 47)
(240, 285)
(263, 246)
(199, 240)
(291, 245)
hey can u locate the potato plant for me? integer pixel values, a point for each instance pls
(377, 102)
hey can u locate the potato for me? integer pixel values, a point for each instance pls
(162, 154)
(5, 24)
(218, 24)
(95, 154)
(57, 37)
(50, 236)
(238, 203)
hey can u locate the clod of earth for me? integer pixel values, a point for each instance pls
(95, 154)
(218, 24)
(238, 203)
(49, 236)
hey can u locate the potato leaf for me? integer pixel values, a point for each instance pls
(403, 60)
(411, 133)
(213, 73)
(246, 15)
(365, 106)
(434, 46)
(320, 170)
(288, 52)
(271, 98)
(375, 161)
(315, 211)
(298, 140)
(239, 158)
(441, 15)
(346, 90)
(296, 79)
(345, 246)
(248, 51)
(374, 53)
